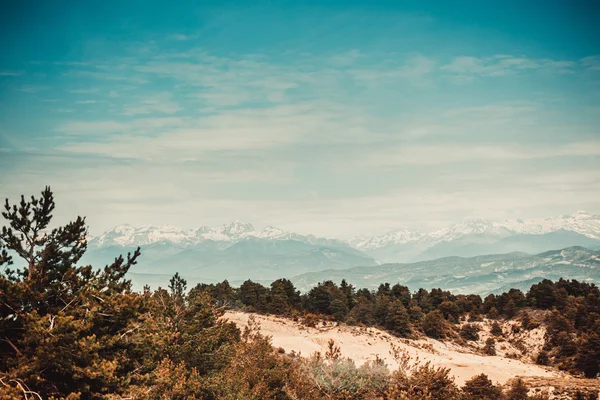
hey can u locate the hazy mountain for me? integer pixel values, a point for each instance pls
(477, 237)
(236, 260)
(127, 235)
(238, 251)
(527, 243)
(481, 274)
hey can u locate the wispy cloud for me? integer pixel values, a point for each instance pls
(317, 142)
(591, 63)
(11, 73)
(182, 37)
(467, 67)
(158, 103)
(33, 89)
(448, 154)
(83, 91)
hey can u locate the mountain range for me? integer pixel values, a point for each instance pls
(479, 275)
(238, 251)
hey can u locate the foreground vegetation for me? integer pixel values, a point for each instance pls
(74, 332)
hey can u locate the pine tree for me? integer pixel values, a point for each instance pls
(279, 298)
(338, 309)
(481, 387)
(177, 285)
(588, 354)
(434, 325)
(469, 332)
(65, 322)
(397, 319)
(517, 390)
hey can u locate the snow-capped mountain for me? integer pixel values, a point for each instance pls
(477, 236)
(127, 235)
(471, 227)
(236, 252)
(468, 238)
(403, 235)
(579, 222)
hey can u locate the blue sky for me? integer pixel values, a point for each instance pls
(326, 117)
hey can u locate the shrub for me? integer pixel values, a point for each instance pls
(339, 378)
(496, 329)
(481, 387)
(542, 358)
(517, 390)
(469, 332)
(490, 347)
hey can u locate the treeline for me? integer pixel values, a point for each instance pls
(74, 332)
(572, 342)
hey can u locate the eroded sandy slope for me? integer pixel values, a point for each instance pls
(362, 344)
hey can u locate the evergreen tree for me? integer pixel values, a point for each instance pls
(177, 285)
(62, 325)
(480, 387)
(338, 309)
(348, 291)
(517, 390)
(588, 354)
(279, 298)
(397, 319)
(469, 332)
(434, 325)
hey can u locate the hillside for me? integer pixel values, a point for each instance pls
(481, 274)
(464, 360)
(363, 344)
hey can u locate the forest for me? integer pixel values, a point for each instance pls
(70, 331)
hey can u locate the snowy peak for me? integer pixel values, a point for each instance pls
(237, 228)
(124, 235)
(579, 222)
(475, 230)
(399, 236)
(270, 232)
(479, 227)
(127, 235)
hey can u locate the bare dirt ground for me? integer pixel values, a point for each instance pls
(515, 353)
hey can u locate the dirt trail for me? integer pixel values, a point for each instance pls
(362, 344)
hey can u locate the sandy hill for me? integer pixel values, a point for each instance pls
(515, 351)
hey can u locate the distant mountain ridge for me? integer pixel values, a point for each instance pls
(480, 275)
(468, 238)
(579, 222)
(127, 235)
(477, 236)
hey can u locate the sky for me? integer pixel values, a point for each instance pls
(326, 117)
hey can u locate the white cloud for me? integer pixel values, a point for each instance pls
(181, 36)
(11, 73)
(447, 154)
(464, 67)
(33, 89)
(592, 63)
(83, 91)
(158, 103)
